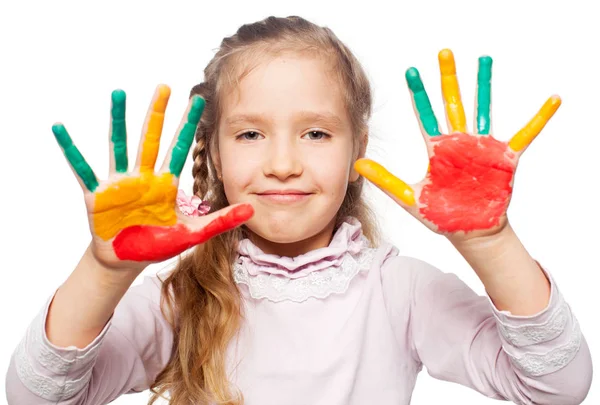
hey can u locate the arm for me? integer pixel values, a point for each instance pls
(129, 350)
(82, 306)
(522, 343)
(461, 337)
(512, 278)
(74, 352)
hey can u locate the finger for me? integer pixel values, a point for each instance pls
(150, 142)
(455, 112)
(180, 147)
(521, 140)
(484, 96)
(152, 243)
(118, 133)
(421, 103)
(85, 174)
(378, 175)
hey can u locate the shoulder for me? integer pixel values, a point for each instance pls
(399, 268)
(405, 277)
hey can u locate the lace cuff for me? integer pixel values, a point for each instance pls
(542, 343)
(52, 372)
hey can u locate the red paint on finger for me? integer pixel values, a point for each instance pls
(156, 243)
(469, 183)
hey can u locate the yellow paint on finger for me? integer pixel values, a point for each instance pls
(527, 134)
(144, 200)
(451, 92)
(154, 128)
(378, 175)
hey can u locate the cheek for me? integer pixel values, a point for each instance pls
(238, 171)
(330, 168)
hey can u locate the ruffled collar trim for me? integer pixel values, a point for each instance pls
(318, 273)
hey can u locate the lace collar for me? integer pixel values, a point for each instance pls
(317, 274)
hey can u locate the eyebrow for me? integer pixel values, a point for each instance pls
(314, 117)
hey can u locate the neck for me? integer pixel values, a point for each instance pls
(293, 249)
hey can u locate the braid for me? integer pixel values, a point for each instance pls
(200, 167)
(200, 170)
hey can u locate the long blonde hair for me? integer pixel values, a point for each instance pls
(201, 290)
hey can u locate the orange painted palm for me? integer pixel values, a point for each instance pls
(468, 186)
(133, 215)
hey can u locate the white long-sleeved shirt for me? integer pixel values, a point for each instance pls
(345, 324)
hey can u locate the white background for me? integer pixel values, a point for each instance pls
(60, 61)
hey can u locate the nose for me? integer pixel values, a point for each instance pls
(284, 160)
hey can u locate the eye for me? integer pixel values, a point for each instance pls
(317, 135)
(249, 136)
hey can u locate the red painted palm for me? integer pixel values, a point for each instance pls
(468, 186)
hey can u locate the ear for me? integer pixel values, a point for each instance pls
(362, 150)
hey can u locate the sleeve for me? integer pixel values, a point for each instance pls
(127, 355)
(461, 337)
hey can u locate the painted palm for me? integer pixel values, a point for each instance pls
(133, 214)
(468, 185)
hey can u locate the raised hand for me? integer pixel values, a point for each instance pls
(133, 215)
(468, 186)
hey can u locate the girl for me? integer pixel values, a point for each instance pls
(301, 304)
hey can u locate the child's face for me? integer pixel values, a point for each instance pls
(285, 165)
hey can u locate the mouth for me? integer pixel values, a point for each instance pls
(284, 196)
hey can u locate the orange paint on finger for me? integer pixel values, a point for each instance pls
(154, 129)
(525, 136)
(378, 175)
(451, 92)
(143, 200)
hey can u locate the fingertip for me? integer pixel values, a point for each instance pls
(117, 110)
(118, 96)
(162, 98)
(446, 60)
(359, 164)
(243, 212)
(413, 79)
(366, 167)
(552, 104)
(164, 90)
(57, 126)
(196, 97)
(198, 104)
(61, 134)
(485, 60)
(485, 69)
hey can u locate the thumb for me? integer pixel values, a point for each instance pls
(401, 192)
(159, 243)
(223, 220)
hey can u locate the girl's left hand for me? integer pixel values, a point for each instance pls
(468, 185)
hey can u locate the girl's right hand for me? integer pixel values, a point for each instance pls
(132, 215)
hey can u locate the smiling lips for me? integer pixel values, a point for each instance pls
(284, 196)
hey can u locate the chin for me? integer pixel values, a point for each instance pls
(284, 226)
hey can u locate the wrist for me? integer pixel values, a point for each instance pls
(511, 277)
(111, 276)
(487, 245)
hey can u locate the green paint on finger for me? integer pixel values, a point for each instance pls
(422, 104)
(484, 91)
(186, 136)
(119, 130)
(75, 158)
